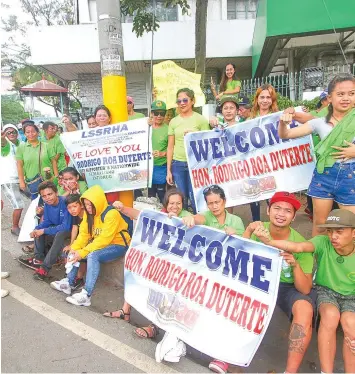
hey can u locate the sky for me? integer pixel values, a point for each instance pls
(15, 8)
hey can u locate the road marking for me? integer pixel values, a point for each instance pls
(116, 347)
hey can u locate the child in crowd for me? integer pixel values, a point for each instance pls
(71, 182)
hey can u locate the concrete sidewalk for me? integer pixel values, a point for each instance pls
(271, 355)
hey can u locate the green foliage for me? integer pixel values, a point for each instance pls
(12, 109)
(144, 20)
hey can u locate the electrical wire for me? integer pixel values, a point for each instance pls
(336, 35)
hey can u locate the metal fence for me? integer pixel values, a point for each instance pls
(293, 85)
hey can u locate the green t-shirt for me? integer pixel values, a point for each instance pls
(82, 188)
(232, 221)
(30, 157)
(160, 142)
(339, 277)
(136, 115)
(179, 125)
(184, 213)
(56, 147)
(305, 260)
(232, 85)
(5, 151)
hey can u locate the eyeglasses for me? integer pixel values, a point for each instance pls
(11, 133)
(160, 113)
(214, 187)
(129, 102)
(185, 101)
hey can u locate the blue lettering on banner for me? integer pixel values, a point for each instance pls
(107, 130)
(170, 238)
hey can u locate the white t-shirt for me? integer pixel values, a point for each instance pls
(322, 128)
(9, 172)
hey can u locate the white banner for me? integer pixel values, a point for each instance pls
(117, 157)
(249, 161)
(215, 292)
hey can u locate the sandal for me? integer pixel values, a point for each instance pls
(149, 334)
(118, 314)
(28, 249)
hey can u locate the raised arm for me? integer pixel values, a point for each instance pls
(127, 211)
(287, 133)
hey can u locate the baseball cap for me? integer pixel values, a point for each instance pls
(322, 96)
(244, 100)
(339, 218)
(287, 197)
(229, 98)
(130, 98)
(9, 126)
(158, 105)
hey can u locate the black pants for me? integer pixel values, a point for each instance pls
(157, 189)
(57, 244)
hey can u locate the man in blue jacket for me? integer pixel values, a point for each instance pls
(55, 229)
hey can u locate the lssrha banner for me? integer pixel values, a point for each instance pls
(117, 157)
(249, 161)
(215, 292)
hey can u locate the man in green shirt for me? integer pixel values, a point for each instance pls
(130, 108)
(335, 280)
(55, 145)
(160, 145)
(296, 297)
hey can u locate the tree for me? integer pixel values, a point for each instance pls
(12, 110)
(16, 55)
(144, 21)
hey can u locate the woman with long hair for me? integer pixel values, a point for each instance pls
(186, 121)
(265, 101)
(230, 84)
(68, 123)
(333, 178)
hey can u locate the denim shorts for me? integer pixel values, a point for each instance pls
(336, 183)
(327, 296)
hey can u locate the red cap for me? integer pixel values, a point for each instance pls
(287, 197)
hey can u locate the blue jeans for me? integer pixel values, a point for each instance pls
(180, 172)
(255, 210)
(94, 259)
(335, 183)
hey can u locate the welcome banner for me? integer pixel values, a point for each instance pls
(215, 292)
(249, 161)
(117, 157)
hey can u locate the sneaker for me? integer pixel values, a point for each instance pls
(81, 298)
(62, 286)
(218, 366)
(40, 274)
(176, 353)
(31, 262)
(4, 293)
(79, 283)
(168, 343)
(4, 274)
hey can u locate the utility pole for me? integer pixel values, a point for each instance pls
(112, 68)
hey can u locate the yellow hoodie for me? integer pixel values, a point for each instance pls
(103, 233)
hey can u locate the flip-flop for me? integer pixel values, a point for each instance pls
(117, 314)
(148, 335)
(27, 249)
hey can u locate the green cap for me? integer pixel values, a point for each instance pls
(158, 105)
(339, 218)
(231, 99)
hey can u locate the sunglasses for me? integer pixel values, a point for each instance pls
(11, 132)
(129, 102)
(185, 101)
(214, 187)
(160, 113)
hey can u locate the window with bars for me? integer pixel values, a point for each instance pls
(163, 13)
(241, 9)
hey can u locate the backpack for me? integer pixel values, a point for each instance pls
(127, 219)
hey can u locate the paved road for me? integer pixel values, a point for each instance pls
(42, 333)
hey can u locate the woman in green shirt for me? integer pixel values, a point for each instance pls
(32, 158)
(230, 84)
(186, 121)
(217, 216)
(71, 182)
